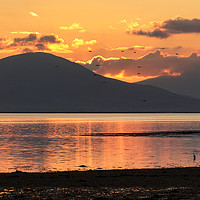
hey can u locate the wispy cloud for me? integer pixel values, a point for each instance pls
(24, 32)
(123, 21)
(74, 26)
(130, 25)
(132, 48)
(33, 14)
(156, 33)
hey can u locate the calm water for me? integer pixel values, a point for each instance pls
(42, 142)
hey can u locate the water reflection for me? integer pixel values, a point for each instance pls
(41, 145)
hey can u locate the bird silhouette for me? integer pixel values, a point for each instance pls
(194, 157)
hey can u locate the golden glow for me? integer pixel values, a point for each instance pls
(91, 42)
(101, 57)
(74, 26)
(168, 72)
(80, 42)
(97, 26)
(25, 32)
(59, 48)
(130, 79)
(59, 145)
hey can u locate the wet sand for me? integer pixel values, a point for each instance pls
(176, 183)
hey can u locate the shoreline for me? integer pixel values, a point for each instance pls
(155, 177)
(174, 183)
(94, 112)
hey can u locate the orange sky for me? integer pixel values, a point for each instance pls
(97, 26)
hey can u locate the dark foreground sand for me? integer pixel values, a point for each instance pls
(177, 183)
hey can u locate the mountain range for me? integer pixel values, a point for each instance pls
(42, 82)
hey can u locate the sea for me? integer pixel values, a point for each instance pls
(98, 141)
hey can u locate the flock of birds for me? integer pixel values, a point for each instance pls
(138, 73)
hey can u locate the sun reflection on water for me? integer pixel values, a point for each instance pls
(49, 144)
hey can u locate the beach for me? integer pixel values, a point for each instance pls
(171, 183)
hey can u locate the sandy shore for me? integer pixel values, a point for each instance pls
(177, 183)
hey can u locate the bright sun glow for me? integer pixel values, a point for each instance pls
(130, 79)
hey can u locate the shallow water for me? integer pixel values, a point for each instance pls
(42, 142)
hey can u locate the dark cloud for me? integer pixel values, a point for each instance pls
(49, 39)
(41, 47)
(30, 43)
(156, 33)
(170, 27)
(181, 25)
(153, 64)
(27, 50)
(30, 38)
(178, 47)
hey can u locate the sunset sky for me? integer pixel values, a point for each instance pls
(92, 30)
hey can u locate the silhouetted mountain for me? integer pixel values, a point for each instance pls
(41, 82)
(188, 83)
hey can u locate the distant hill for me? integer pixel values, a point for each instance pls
(187, 83)
(41, 82)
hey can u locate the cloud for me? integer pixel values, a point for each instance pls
(123, 21)
(132, 48)
(59, 48)
(74, 26)
(170, 27)
(130, 25)
(181, 25)
(42, 47)
(34, 43)
(151, 65)
(33, 14)
(80, 42)
(178, 47)
(77, 42)
(156, 33)
(25, 32)
(91, 42)
(49, 39)
(27, 50)
(25, 40)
